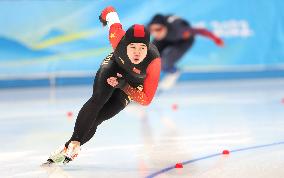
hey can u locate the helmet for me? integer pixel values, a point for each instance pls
(135, 34)
(159, 19)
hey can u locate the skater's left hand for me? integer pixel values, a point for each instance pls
(219, 42)
(117, 82)
(104, 22)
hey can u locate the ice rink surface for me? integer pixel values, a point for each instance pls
(190, 124)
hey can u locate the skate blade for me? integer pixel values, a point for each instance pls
(48, 163)
(67, 160)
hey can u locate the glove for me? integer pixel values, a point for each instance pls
(117, 82)
(104, 22)
(219, 42)
(104, 13)
(121, 83)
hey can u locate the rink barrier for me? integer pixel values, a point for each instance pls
(67, 80)
(164, 170)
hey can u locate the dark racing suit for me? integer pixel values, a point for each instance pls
(106, 101)
(179, 39)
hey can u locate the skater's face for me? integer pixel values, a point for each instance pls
(158, 31)
(136, 52)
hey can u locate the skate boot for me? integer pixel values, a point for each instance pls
(71, 152)
(57, 156)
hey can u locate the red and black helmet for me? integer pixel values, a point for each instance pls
(135, 34)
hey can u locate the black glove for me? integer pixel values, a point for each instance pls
(121, 83)
(104, 22)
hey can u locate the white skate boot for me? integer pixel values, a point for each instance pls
(63, 154)
(57, 156)
(71, 152)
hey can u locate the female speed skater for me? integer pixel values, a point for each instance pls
(130, 72)
(174, 36)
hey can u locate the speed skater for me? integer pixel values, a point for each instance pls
(130, 73)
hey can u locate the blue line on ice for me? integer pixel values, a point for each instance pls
(211, 156)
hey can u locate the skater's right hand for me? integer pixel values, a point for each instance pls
(117, 82)
(104, 13)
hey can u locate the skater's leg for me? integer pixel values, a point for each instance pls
(172, 54)
(115, 104)
(101, 94)
(89, 112)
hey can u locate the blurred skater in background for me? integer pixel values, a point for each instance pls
(174, 36)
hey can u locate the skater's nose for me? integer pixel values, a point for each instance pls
(137, 51)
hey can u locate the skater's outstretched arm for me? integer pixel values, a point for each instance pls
(206, 33)
(110, 18)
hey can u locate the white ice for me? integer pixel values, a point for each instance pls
(209, 117)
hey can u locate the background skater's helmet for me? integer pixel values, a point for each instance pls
(135, 34)
(159, 19)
